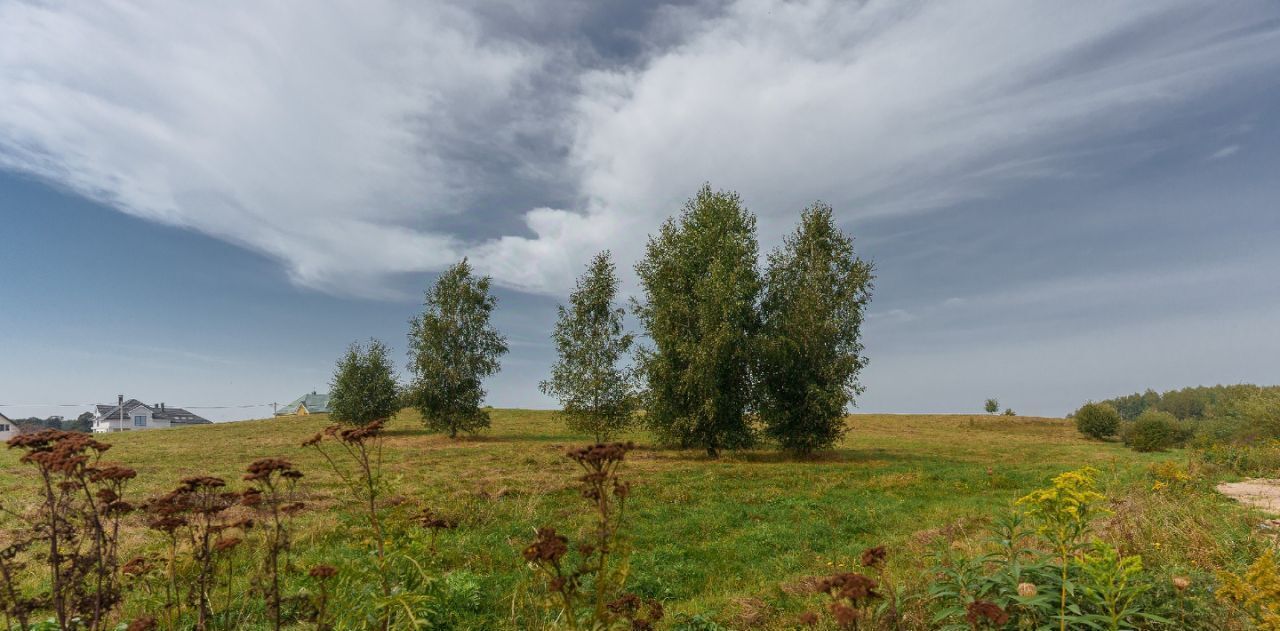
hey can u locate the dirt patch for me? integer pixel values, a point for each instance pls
(1260, 493)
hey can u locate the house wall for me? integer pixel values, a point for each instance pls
(7, 429)
(114, 424)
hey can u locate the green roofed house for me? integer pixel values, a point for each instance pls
(306, 404)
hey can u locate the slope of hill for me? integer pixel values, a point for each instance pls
(718, 537)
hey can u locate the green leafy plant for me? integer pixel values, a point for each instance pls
(1062, 513)
(1111, 585)
(1256, 591)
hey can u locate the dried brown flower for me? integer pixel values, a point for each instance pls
(548, 547)
(874, 557)
(985, 610)
(144, 623)
(323, 572)
(1027, 590)
(227, 543)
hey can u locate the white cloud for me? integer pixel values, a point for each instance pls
(321, 137)
(338, 138)
(1224, 152)
(877, 107)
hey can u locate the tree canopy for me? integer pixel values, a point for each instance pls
(700, 285)
(453, 347)
(815, 293)
(596, 393)
(364, 386)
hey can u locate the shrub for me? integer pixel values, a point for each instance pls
(1154, 430)
(363, 388)
(1097, 420)
(1256, 592)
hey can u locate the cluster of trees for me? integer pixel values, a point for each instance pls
(82, 423)
(734, 352)
(1205, 415)
(453, 347)
(1192, 403)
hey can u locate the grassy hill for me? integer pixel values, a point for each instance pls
(722, 538)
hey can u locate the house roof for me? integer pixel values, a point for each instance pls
(316, 403)
(4, 418)
(175, 416)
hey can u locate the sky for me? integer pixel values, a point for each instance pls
(204, 203)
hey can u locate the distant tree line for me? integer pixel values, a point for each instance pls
(732, 352)
(82, 423)
(1204, 415)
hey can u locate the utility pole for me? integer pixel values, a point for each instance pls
(120, 402)
(273, 409)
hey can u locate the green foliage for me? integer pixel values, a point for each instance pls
(1097, 420)
(1188, 403)
(815, 292)
(1063, 514)
(1010, 412)
(1110, 585)
(364, 387)
(1262, 459)
(700, 287)
(1256, 591)
(1154, 430)
(992, 406)
(597, 396)
(1008, 577)
(453, 347)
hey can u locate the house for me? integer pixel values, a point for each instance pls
(306, 404)
(138, 415)
(7, 428)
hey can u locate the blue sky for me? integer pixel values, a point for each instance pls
(203, 205)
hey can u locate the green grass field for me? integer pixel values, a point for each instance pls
(722, 538)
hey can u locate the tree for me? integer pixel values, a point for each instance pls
(1097, 420)
(453, 347)
(364, 389)
(596, 395)
(82, 423)
(700, 287)
(815, 293)
(993, 406)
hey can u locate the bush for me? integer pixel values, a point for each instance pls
(1154, 430)
(1097, 420)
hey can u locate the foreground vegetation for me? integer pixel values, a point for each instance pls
(734, 542)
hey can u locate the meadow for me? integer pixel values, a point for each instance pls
(728, 541)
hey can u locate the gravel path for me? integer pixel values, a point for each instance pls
(1261, 493)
